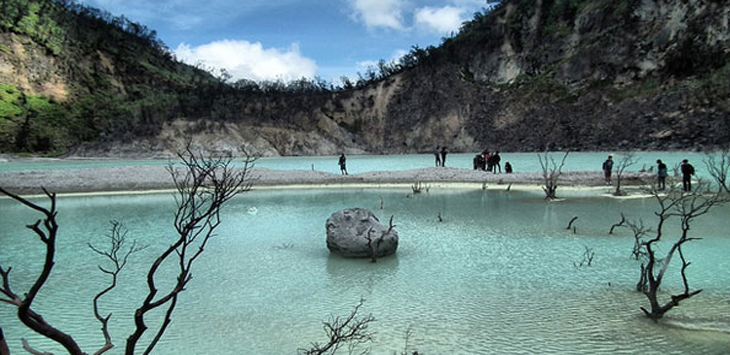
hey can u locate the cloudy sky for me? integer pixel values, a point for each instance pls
(290, 39)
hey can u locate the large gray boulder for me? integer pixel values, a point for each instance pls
(348, 231)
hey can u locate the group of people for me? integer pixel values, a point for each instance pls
(491, 162)
(686, 168)
(487, 161)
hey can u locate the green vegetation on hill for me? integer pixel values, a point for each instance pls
(118, 78)
(522, 74)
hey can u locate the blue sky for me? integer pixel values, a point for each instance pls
(291, 39)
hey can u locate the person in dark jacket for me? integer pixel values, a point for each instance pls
(443, 156)
(495, 162)
(343, 164)
(661, 174)
(607, 168)
(437, 156)
(687, 171)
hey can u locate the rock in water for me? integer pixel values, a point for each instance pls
(348, 230)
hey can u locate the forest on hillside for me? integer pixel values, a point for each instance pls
(115, 80)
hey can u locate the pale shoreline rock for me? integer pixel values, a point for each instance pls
(145, 178)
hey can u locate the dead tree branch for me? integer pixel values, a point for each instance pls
(719, 169)
(586, 259)
(627, 160)
(118, 254)
(374, 243)
(4, 350)
(685, 207)
(551, 172)
(351, 331)
(639, 231)
(46, 229)
(570, 224)
(202, 188)
(619, 224)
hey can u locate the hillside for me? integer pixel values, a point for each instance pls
(528, 75)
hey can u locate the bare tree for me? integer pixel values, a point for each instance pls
(639, 231)
(685, 207)
(627, 160)
(350, 330)
(118, 255)
(586, 258)
(551, 172)
(203, 186)
(570, 224)
(46, 229)
(374, 243)
(619, 224)
(719, 169)
(418, 187)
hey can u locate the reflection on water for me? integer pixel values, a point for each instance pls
(496, 276)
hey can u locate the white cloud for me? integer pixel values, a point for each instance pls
(441, 20)
(243, 59)
(380, 13)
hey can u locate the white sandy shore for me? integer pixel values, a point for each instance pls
(146, 178)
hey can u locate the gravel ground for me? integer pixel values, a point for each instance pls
(142, 178)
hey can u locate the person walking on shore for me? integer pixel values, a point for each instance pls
(687, 171)
(661, 174)
(437, 156)
(607, 168)
(343, 164)
(443, 156)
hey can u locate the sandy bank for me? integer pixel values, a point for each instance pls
(144, 178)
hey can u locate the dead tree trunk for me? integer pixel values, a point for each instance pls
(47, 231)
(685, 207)
(551, 172)
(374, 243)
(619, 224)
(4, 350)
(720, 169)
(626, 161)
(202, 189)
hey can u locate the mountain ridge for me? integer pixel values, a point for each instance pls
(528, 75)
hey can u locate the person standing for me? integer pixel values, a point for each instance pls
(687, 171)
(443, 156)
(661, 174)
(343, 164)
(607, 168)
(437, 156)
(495, 164)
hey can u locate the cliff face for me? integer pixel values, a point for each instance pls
(529, 75)
(543, 74)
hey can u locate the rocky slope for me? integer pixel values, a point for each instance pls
(529, 75)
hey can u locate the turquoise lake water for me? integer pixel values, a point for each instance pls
(497, 276)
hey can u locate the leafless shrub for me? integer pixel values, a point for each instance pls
(551, 172)
(351, 331)
(203, 186)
